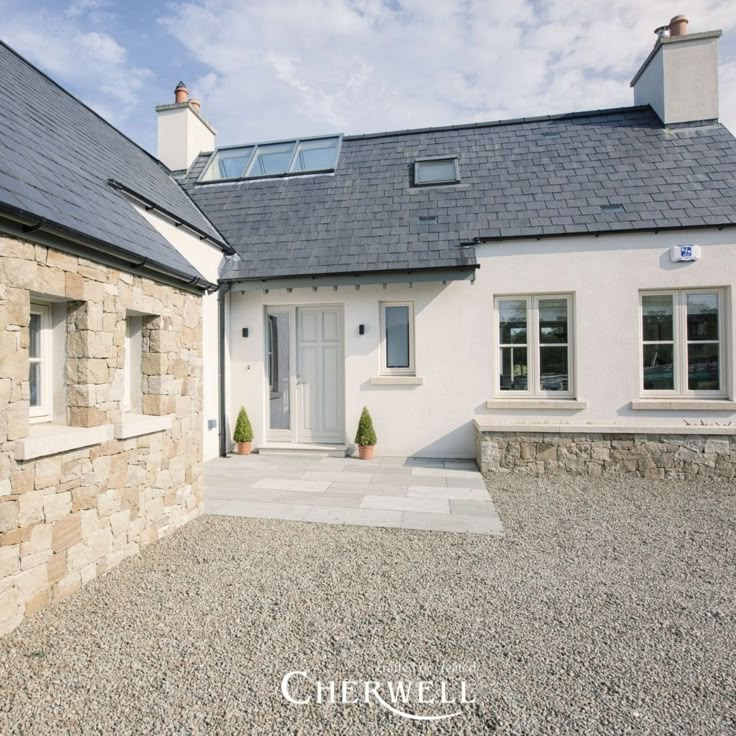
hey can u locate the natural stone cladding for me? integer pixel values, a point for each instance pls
(653, 456)
(69, 517)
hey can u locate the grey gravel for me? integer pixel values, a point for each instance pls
(608, 608)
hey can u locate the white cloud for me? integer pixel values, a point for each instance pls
(291, 67)
(93, 61)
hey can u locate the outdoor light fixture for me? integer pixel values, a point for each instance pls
(245, 332)
(361, 329)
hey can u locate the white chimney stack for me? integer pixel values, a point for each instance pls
(679, 78)
(182, 131)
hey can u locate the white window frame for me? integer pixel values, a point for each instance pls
(680, 343)
(411, 369)
(42, 412)
(533, 347)
(132, 377)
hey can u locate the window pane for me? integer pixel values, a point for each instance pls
(34, 377)
(702, 316)
(426, 172)
(272, 159)
(397, 337)
(34, 329)
(512, 319)
(315, 155)
(553, 368)
(228, 164)
(657, 317)
(513, 369)
(703, 367)
(553, 321)
(659, 372)
(278, 349)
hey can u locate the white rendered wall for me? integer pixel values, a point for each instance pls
(206, 259)
(680, 81)
(455, 353)
(182, 136)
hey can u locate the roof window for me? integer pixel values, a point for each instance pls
(436, 171)
(284, 158)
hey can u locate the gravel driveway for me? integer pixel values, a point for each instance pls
(608, 608)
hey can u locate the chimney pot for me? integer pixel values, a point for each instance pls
(678, 25)
(181, 93)
(196, 104)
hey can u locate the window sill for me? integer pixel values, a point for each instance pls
(683, 405)
(51, 439)
(536, 404)
(135, 425)
(397, 381)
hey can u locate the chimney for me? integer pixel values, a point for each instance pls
(679, 78)
(182, 131)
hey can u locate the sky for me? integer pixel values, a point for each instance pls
(270, 69)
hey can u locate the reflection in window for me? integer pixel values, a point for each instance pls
(298, 156)
(278, 367)
(682, 334)
(513, 344)
(398, 338)
(534, 344)
(658, 330)
(436, 171)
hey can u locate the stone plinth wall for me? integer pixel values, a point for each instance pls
(654, 456)
(68, 517)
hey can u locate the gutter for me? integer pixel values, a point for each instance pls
(597, 233)
(150, 205)
(39, 229)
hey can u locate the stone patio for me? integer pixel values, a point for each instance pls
(408, 493)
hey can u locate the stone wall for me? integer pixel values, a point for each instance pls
(654, 456)
(66, 518)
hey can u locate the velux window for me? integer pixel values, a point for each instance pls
(534, 336)
(300, 156)
(436, 171)
(683, 342)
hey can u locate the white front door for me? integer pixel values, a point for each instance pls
(320, 374)
(304, 374)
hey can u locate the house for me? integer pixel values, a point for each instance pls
(547, 294)
(105, 267)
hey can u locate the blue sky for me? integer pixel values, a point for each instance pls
(265, 69)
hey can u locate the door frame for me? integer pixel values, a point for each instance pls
(294, 434)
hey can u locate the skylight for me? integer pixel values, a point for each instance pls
(436, 171)
(300, 156)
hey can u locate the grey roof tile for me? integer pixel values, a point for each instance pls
(517, 181)
(57, 155)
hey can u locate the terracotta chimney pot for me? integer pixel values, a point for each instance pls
(181, 93)
(196, 104)
(678, 25)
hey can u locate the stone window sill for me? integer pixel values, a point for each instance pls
(135, 425)
(537, 404)
(397, 381)
(51, 439)
(683, 405)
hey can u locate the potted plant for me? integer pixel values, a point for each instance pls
(365, 437)
(243, 434)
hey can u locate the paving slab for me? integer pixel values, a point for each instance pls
(413, 493)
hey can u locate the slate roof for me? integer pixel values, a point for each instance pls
(57, 155)
(531, 177)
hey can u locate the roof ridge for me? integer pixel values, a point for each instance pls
(506, 121)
